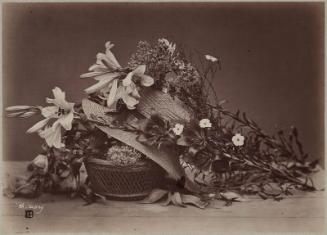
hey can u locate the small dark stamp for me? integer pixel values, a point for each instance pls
(29, 214)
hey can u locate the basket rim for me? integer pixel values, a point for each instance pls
(148, 165)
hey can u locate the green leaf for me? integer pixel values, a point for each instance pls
(232, 196)
(182, 141)
(154, 196)
(177, 200)
(193, 200)
(263, 195)
(168, 200)
(101, 197)
(272, 189)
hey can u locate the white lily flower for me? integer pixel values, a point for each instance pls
(108, 73)
(63, 111)
(128, 92)
(105, 63)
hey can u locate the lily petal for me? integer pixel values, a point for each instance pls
(59, 95)
(112, 94)
(120, 92)
(111, 56)
(107, 76)
(109, 45)
(91, 74)
(146, 80)
(130, 88)
(37, 126)
(110, 61)
(139, 71)
(98, 68)
(128, 79)
(52, 136)
(59, 99)
(66, 120)
(130, 101)
(49, 111)
(96, 87)
(135, 93)
(64, 105)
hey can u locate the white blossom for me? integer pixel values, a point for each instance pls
(178, 129)
(205, 123)
(238, 140)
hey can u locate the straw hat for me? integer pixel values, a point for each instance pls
(151, 102)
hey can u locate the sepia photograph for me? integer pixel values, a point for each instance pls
(161, 117)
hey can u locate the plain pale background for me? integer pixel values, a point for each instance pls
(272, 57)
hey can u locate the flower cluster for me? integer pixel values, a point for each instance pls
(168, 66)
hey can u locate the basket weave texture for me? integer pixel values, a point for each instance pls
(123, 182)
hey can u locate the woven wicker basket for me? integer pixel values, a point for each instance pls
(123, 182)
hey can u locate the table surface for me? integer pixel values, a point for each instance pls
(300, 213)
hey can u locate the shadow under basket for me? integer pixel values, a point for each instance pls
(125, 183)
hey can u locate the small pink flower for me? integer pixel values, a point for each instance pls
(238, 140)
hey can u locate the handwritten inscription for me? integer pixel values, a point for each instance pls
(35, 208)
